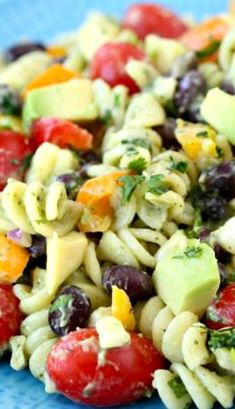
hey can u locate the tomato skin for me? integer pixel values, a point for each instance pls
(13, 150)
(109, 64)
(61, 133)
(221, 311)
(123, 377)
(10, 314)
(150, 18)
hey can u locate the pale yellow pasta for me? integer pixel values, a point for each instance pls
(18, 360)
(22, 71)
(50, 161)
(37, 209)
(144, 111)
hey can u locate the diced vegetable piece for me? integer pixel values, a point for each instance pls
(13, 260)
(95, 198)
(122, 309)
(53, 75)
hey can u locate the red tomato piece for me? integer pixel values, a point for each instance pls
(61, 133)
(10, 314)
(150, 18)
(109, 64)
(123, 375)
(13, 150)
(221, 311)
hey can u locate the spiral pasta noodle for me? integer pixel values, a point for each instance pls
(182, 340)
(36, 209)
(50, 161)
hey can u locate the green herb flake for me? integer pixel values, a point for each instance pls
(138, 165)
(156, 185)
(177, 387)
(117, 100)
(190, 252)
(180, 166)
(209, 50)
(107, 117)
(224, 338)
(15, 162)
(220, 152)
(202, 134)
(61, 303)
(143, 143)
(27, 161)
(129, 185)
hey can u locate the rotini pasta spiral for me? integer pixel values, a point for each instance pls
(226, 53)
(183, 341)
(36, 209)
(34, 344)
(168, 200)
(118, 144)
(50, 161)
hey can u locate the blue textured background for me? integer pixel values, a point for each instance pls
(42, 20)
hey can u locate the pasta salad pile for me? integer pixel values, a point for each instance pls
(117, 210)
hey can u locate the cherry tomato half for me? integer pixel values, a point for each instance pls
(61, 133)
(221, 311)
(14, 148)
(10, 314)
(84, 374)
(150, 18)
(109, 64)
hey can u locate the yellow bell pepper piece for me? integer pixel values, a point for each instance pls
(196, 139)
(122, 308)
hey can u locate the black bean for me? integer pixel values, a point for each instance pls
(167, 133)
(212, 207)
(135, 282)
(72, 181)
(228, 87)
(18, 50)
(222, 255)
(183, 64)
(224, 276)
(10, 101)
(204, 235)
(38, 246)
(190, 86)
(220, 179)
(70, 310)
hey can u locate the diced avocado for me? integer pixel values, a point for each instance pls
(64, 256)
(187, 279)
(73, 100)
(218, 109)
(112, 333)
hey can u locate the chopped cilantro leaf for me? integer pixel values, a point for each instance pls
(224, 338)
(202, 134)
(129, 185)
(177, 387)
(156, 185)
(138, 165)
(220, 152)
(107, 117)
(138, 142)
(15, 162)
(180, 166)
(27, 161)
(117, 101)
(190, 252)
(209, 50)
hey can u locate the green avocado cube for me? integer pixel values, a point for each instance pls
(218, 109)
(187, 280)
(72, 100)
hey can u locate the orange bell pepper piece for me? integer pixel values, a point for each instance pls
(53, 75)
(95, 198)
(200, 37)
(13, 260)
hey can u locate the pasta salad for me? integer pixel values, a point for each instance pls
(117, 210)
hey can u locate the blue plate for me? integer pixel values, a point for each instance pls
(42, 20)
